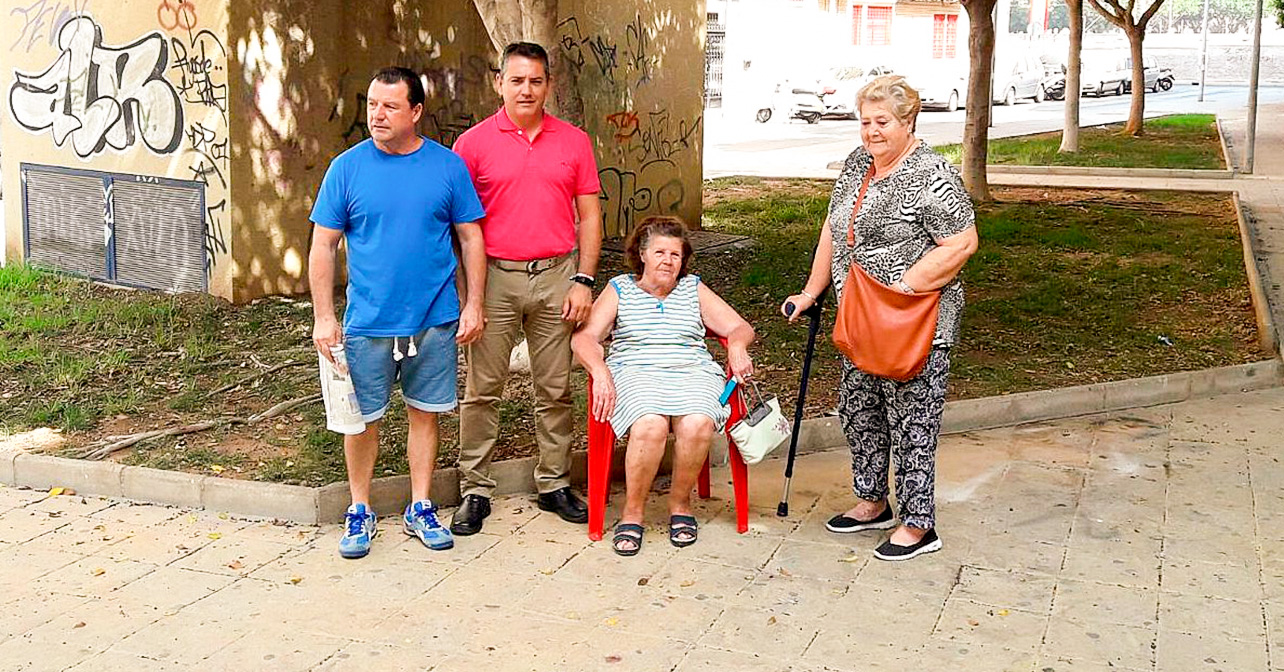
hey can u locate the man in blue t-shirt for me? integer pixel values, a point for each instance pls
(395, 199)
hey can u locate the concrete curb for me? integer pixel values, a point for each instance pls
(1166, 173)
(1090, 171)
(326, 504)
(1225, 145)
(989, 412)
(1266, 334)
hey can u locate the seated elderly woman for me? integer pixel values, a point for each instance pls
(659, 376)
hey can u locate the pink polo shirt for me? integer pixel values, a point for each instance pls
(528, 188)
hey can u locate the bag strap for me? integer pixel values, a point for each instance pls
(757, 394)
(860, 197)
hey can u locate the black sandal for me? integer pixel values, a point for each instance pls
(627, 533)
(680, 525)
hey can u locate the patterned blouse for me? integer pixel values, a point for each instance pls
(899, 220)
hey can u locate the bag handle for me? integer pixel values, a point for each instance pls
(860, 197)
(757, 394)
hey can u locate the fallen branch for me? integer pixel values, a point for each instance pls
(1085, 202)
(251, 378)
(282, 407)
(107, 447)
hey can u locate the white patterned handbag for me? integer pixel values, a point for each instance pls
(762, 429)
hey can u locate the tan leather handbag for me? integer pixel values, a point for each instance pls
(883, 331)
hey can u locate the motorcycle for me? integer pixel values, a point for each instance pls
(1054, 86)
(803, 103)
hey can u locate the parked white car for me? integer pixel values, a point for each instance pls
(1018, 79)
(1157, 78)
(1102, 74)
(940, 90)
(840, 86)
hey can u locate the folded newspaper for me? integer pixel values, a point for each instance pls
(342, 412)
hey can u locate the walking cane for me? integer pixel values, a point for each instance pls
(813, 326)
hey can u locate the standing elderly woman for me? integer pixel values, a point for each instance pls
(913, 231)
(659, 376)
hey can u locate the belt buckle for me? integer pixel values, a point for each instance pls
(532, 267)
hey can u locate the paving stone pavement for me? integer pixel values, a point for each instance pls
(1149, 540)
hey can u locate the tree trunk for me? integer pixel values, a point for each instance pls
(1134, 27)
(503, 21)
(1074, 70)
(1137, 111)
(509, 21)
(976, 128)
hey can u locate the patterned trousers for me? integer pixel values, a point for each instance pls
(886, 421)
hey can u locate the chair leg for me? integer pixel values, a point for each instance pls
(739, 470)
(740, 484)
(702, 486)
(600, 452)
(601, 446)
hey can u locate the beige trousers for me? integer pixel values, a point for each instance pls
(519, 302)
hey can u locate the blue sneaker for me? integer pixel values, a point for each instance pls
(421, 521)
(360, 528)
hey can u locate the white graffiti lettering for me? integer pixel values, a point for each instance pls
(102, 96)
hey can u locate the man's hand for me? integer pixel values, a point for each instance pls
(472, 322)
(325, 334)
(578, 303)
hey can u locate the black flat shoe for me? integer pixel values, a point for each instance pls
(843, 524)
(565, 504)
(468, 518)
(893, 552)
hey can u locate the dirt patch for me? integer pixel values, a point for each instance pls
(1070, 287)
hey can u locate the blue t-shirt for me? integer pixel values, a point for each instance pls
(395, 211)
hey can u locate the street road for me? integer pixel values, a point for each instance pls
(740, 146)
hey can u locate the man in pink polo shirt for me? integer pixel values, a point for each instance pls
(536, 176)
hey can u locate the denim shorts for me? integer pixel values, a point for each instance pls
(428, 379)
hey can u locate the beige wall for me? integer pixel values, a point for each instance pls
(174, 92)
(640, 71)
(302, 69)
(293, 84)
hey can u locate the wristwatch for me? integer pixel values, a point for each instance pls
(905, 289)
(584, 279)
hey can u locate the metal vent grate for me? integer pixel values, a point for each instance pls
(65, 228)
(159, 236)
(130, 229)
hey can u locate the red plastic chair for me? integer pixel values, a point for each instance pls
(601, 448)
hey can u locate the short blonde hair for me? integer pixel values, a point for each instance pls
(903, 98)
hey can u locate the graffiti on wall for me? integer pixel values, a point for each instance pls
(630, 63)
(99, 96)
(42, 19)
(448, 88)
(174, 15)
(199, 72)
(166, 91)
(639, 162)
(199, 69)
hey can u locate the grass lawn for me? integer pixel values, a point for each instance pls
(1068, 287)
(1177, 141)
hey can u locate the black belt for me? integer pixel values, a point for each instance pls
(530, 266)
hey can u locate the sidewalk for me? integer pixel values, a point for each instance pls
(1146, 541)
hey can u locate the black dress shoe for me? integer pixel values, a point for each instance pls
(565, 504)
(468, 518)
